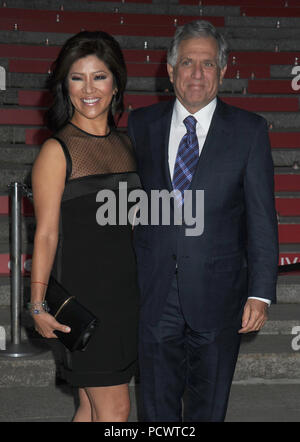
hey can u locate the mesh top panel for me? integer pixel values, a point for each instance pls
(93, 154)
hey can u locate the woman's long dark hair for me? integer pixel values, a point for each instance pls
(85, 43)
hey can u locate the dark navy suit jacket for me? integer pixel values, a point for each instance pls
(236, 256)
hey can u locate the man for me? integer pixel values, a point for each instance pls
(200, 293)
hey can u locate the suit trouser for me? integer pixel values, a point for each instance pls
(177, 362)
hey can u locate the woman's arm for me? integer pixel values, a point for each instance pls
(48, 182)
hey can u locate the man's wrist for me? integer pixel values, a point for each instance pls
(267, 301)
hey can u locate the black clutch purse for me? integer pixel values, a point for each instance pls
(66, 310)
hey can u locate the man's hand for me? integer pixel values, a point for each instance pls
(255, 316)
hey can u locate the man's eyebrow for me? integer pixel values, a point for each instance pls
(185, 57)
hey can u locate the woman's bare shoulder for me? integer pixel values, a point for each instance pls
(50, 161)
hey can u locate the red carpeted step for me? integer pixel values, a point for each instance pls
(70, 21)
(29, 51)
(34, 98)
(96, 20)
(147, 70)
(290, 140)
(90, 18)
(135, 101)
(30, 66)
(4, 264)
(288, 206)
(36, 136)
(72, 28)
(142, 56)
(264, 104)
(262, 58)
(31, 117)
(4, 205)
(26, 206)
(271, 87)
(287, 183)
(289, 233)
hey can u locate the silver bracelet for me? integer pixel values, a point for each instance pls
(37, 308)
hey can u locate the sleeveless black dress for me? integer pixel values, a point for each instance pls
(96, 263)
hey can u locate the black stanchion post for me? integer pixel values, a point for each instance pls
(16, 348)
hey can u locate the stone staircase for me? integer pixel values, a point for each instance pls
(265, 39)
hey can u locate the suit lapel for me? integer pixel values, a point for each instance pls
(217, 139)
(159, 141)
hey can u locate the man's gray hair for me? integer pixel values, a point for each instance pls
(196, 29)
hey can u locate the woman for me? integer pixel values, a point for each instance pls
(94, 263)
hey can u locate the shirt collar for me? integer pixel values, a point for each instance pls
(203, 116)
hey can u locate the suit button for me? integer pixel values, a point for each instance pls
(174, 257)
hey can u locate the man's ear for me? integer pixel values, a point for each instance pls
(170, 70)
(222, 73)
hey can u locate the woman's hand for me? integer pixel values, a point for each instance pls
(45, 324)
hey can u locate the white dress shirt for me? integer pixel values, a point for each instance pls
(178, 130)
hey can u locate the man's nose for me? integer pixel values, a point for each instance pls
(198, 70)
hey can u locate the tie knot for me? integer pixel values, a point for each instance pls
(190, 123)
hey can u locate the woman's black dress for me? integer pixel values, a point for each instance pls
(96, 263)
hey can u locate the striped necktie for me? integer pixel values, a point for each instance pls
(186, 159)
